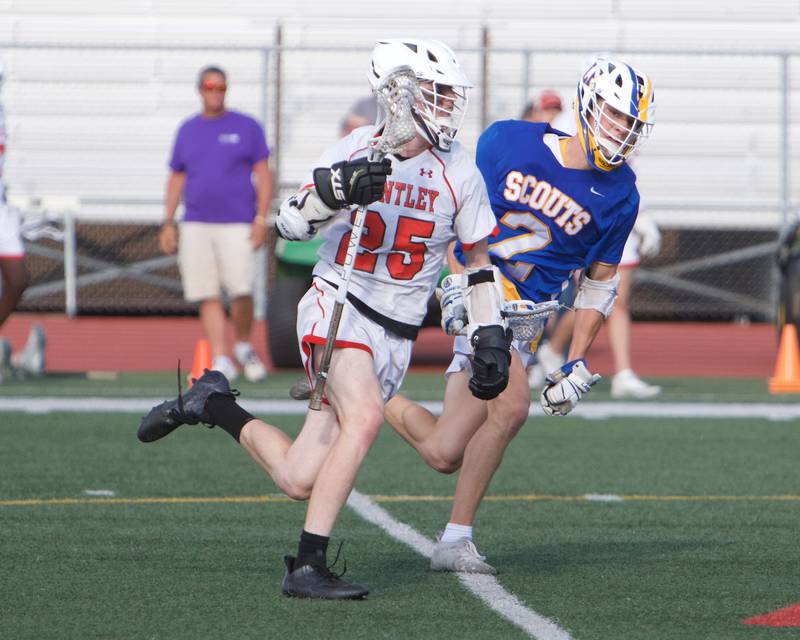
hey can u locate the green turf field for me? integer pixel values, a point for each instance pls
(191, 543)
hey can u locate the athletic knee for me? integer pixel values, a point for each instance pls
(444, 465)
(507, 425)
(517, 417)
(513, 417)
(364, 426)
(294, 489)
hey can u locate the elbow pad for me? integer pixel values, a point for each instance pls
(483, 297)
(597, 294)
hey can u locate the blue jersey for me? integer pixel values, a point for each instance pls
(550, 220)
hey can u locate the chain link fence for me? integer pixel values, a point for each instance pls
(717, 179)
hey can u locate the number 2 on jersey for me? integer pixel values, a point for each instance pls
(407, 255)
(538, 238)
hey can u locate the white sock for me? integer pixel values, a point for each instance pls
(453, 532)
(241, 349)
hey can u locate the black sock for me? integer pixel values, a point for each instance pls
(310, 547)
(226, 414)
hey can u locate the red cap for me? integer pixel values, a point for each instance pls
(548, 99)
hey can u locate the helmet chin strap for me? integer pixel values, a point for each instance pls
(424, 130)
(590, 144)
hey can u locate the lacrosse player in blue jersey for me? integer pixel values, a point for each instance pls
(562, 204)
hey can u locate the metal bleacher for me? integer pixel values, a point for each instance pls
(95, 90)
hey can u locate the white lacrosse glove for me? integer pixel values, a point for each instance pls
(565, 386)
(451, 298)
(301, 214)
(649, 236)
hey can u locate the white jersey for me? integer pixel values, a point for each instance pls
(10, 239)
(429, 200)
(2, 151)
(2, 137)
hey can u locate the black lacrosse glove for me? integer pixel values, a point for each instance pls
(491, 357)
(356, 182)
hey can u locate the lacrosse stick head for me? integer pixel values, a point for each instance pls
(396, 95)
(441, 104)
(527, 319)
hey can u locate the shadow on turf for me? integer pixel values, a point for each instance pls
(556, 557)
(393, 571)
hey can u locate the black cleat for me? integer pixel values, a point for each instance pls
(187, 408)
(318, 581)
(301, 389)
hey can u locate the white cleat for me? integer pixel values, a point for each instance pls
(459, 555)
(536, 376)
(252, 367)
(225, 365)
(30, 361)
(549, 359)
(626, 384)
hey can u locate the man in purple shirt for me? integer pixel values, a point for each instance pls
(219, 166)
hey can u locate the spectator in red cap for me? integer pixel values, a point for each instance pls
(544, 108)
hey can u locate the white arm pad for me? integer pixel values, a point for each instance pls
(483, 297)
(451, 299)
(300, 214)
(597, 294)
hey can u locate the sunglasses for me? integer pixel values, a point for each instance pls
(213, 86)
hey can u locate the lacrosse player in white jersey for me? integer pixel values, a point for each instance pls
(14, 278)
(422, 195)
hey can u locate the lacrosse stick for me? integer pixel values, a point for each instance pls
(396, 96)
(526, 319)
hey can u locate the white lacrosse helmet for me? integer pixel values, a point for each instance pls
(442, 83)
(615, 111)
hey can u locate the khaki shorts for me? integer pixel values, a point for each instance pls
(391, 354)
(213, 258)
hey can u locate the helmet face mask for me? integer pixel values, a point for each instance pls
(441, 112)
(442, 83)
(615, 112)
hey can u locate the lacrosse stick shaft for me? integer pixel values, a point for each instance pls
(315, 402)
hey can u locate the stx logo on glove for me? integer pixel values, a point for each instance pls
(336, 184)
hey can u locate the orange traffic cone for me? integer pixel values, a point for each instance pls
(202, 360)
(787, 367)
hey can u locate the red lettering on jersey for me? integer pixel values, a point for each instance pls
(433, 195)
(421, 193)
(409, 203)
(399, 187)
(387, 192)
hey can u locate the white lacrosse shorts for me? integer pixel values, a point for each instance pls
(462, 351)
(10, 239)
(390, 353)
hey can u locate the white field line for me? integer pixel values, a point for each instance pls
(484, 587)
(588, 410)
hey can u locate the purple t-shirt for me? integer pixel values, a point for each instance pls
(217, 155)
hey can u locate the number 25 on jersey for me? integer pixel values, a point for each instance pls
(407, 255)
